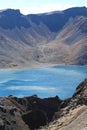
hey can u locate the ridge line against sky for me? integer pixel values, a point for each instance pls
(40, 6)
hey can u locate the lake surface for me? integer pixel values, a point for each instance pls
(45, 82)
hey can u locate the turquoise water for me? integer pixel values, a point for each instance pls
(45, 82)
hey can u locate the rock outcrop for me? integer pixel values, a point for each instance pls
(73, 111)
(31, 113)
(26, 113)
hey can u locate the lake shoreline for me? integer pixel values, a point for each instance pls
(37, 65)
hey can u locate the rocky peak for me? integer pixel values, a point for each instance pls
(81, 93)
(76, 11)
(11, 18)
(10, 12)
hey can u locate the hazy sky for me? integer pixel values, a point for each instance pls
(40, 6)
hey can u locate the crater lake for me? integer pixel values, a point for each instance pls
(44, 82)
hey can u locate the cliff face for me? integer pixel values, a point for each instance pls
(26, 113)
(81, 93)
(29, 113)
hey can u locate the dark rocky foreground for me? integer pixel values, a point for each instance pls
(31, 113)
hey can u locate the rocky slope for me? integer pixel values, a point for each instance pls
(31, 113)
(56, 37)
(26, 113)
(73, 112)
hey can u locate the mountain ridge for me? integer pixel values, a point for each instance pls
(43, 38)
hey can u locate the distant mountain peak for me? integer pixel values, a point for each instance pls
(11, 18)
(77, 8)
(10, 11)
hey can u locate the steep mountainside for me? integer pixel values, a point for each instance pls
(70, 44)
(56, 37)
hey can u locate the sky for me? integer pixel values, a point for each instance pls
(40, 6)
